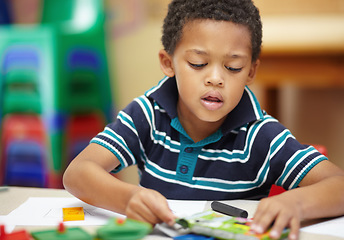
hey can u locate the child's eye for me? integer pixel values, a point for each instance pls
(197, 66)
(233, 69)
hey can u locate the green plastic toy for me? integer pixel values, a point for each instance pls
(213, 224)
(62, 233)
(123, 229)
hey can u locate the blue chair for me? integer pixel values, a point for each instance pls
(26, 164)
(5, 16)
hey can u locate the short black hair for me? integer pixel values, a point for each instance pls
(242, 12)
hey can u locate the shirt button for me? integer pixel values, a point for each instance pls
(188, 150)
(184, 169)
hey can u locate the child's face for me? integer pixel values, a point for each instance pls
(212, 64)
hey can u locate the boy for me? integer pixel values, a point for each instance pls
(200, 133)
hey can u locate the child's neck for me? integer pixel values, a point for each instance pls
(198, 130)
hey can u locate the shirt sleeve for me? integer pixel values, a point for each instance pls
(290, 160)
(123, 136)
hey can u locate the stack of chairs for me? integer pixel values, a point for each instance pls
(55, 92)
(24, 154)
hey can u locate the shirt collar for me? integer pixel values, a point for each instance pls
(248, 109)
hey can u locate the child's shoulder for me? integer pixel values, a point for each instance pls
(267, 127)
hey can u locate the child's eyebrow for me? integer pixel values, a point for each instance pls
(197, 51)
(228, 56)
(235, 56)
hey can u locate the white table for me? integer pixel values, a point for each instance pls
(13, 197)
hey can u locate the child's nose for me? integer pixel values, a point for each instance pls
(215, 78)
(214, 82)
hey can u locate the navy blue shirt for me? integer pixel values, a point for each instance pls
(250, 152)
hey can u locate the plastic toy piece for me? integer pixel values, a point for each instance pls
(120, 221)
(220, 226)
(61, 228)
(62, 233)
(73, 214)
(123, 229)
(18, 235)
(228, 209)
(193, 237)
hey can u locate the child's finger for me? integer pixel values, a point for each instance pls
(263, 218)
(139, 217)
(294, 229)
(139, 211)
(277, 215)
(281, 222)
(159, 207)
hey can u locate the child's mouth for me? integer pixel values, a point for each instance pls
(211, 102)
(211, 99)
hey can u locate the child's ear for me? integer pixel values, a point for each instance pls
(166, 64)
(253, 72)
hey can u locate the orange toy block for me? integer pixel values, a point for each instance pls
(73, 214)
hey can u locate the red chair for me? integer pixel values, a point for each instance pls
(80, 130)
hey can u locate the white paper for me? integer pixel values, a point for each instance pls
(48, 212)
(333, 227)
(182, 208)
(9, 226)
(40, 211)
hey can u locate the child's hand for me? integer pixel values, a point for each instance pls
(280, 211)
(149, 206)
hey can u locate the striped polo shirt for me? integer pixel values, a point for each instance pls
(250, 152)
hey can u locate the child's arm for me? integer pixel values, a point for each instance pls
(87, 177)
(321, 194)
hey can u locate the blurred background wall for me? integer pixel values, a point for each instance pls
(305, 39)
(302, 68)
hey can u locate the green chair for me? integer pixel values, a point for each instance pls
(79, 31)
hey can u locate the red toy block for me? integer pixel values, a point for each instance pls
(17, 235)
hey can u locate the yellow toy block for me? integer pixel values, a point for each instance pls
(73, 214)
